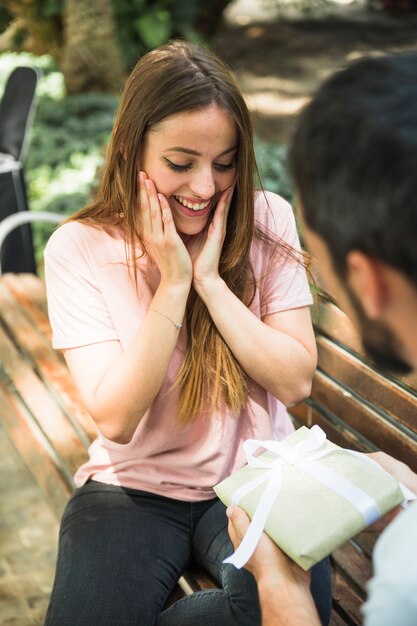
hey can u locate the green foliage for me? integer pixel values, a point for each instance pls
(67, 146)
(141, 24)
(51, 8)
(65, 151)
(154, 27)
(146, 24)
(5, 18)
(51, 83)
(273, 167)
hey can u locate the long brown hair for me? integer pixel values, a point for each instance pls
(171, 79)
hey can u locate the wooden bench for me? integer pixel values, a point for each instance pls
(362, 409)
(41, 410)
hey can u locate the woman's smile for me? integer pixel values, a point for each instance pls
(189, 204)
(191, 208)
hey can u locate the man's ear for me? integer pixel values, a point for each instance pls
(366, 278)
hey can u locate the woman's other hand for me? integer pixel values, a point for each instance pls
(205, 249)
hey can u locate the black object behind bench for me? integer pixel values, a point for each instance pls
(17, 109)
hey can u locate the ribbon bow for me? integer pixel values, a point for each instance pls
(304, 455)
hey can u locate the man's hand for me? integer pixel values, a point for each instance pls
(399, 470)
(403, 474)
(268, 561)
(284, 588)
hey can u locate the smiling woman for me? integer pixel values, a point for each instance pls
(192, 155)
(180, 300)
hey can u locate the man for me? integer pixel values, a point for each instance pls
(354, 162)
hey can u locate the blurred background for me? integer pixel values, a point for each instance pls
(279, 50)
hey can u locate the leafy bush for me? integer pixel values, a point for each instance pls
(146, 24)
(141, 25)
(273, 167)
(65, 151)
(67, 146)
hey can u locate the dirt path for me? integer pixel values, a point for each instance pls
(279, 63)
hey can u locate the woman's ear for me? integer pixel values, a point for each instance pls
(366, 278)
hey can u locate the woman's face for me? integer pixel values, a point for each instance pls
(191, 158)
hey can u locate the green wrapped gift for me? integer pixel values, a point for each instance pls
(308, 494)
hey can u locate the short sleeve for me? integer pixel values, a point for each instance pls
(76, 307)
(284, 283)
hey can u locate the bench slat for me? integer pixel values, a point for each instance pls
(37, 452)
(362, 418)
(309, 413)
(41, 405)
(366, 382)
(27, 332)
(30, 288)
(346, 602)
(355, 565)
(337, 620)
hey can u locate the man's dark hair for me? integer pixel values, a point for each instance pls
(354, 162)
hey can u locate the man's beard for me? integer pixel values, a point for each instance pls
(379, 343)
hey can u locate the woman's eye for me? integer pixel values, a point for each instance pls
(224, 167)
(176, 167)
(220, 167)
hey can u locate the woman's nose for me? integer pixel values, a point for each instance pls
(203, 185)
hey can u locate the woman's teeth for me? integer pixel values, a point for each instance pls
(198, 206)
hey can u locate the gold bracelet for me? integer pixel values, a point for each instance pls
(176, 324)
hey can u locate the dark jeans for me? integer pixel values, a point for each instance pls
(121, 552)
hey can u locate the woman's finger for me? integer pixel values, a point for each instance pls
(222, 210)
(144, 210)
(154, 210)
(167, 219)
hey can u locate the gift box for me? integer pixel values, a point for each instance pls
(308, 494)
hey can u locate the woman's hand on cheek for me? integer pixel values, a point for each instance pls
(160, 236)
(206, 250)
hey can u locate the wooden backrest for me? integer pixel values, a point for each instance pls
(357, 405)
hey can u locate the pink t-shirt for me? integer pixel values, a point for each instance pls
(92, 298)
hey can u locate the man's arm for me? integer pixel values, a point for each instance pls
(284, 588)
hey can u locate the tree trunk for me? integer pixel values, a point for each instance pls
(38, 33)
(91, 59)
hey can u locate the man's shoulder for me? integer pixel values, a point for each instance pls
(396, 549)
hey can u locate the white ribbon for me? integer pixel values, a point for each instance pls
(304, 455)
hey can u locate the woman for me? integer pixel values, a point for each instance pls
(181, 305)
